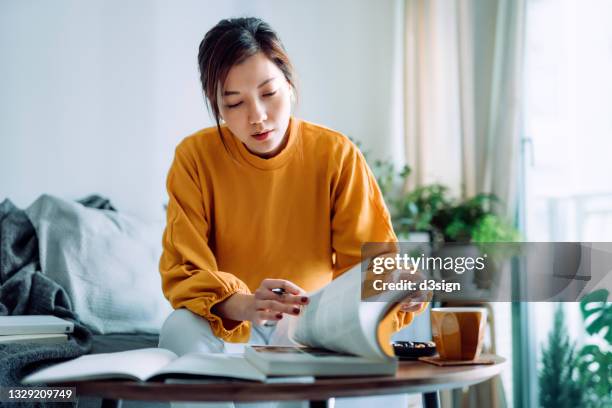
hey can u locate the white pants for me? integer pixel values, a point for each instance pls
(185, 332)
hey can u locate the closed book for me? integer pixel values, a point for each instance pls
(34, 338)
(295, 360)
(34, 324)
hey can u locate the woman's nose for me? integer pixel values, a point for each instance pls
(257, 113)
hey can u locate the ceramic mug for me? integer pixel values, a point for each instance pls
(458, 331)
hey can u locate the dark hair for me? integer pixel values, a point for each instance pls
(232, 41)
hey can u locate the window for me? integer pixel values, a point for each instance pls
(567, 138)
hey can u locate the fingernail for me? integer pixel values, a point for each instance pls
(304, 299)
(296, 310)
(279, 315)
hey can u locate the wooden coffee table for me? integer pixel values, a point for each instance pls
(411, 377)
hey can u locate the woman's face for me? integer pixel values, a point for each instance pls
(255, 104)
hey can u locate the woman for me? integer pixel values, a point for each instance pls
(262, 201)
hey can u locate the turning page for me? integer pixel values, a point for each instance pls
(336, 319)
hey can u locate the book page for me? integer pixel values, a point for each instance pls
(290, 379)
(213, 364)
(337, 319)
(133, 364)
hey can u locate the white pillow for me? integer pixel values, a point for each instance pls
(106, 261)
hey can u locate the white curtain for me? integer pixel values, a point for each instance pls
(462, 89)
(463, 61)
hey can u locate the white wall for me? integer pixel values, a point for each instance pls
(95, 95)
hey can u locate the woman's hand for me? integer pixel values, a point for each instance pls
(268, 305)
(414, 299)
(413, 302)
(264, 305)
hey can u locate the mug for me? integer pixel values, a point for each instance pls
(458, 331)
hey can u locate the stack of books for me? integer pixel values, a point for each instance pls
(34, 329)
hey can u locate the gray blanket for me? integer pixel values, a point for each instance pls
(24, 289)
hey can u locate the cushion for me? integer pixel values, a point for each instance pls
(106, 261)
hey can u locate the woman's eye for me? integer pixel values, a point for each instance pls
(269, 93)
(234, 105)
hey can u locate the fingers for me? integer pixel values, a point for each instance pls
(414, 303)
(410, 307)
(288, 286)
(266, 294)
(271, 306)
(274, 306)
(261, 316)
(418, 297)
(295, 296)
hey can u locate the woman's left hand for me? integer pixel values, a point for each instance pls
(413, 302)
(412, 305)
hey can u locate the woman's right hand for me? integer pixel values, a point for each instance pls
(264, 305)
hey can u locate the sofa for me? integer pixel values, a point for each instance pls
(82, 261)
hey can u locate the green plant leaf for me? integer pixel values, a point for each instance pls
(492, 228)
(595, 368)
(597, 314)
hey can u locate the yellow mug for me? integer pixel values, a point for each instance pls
(458, 331)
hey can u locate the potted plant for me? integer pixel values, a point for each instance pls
(569, 376)
(451, 220)
(430, 211)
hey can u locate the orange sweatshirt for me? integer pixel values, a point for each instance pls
(234, 219)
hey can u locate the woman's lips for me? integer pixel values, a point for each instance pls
(262, 136)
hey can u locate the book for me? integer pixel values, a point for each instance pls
(147, 364)
(296, 360)
(34, 324)
(335, 334)
(34, 338)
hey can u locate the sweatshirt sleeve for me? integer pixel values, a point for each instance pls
(359, 216)
(188, 267)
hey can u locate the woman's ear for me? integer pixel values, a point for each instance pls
(291, 93)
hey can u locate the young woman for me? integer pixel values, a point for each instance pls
(263, 200)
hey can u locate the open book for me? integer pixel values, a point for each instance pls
(147, 364)
(336, 334)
